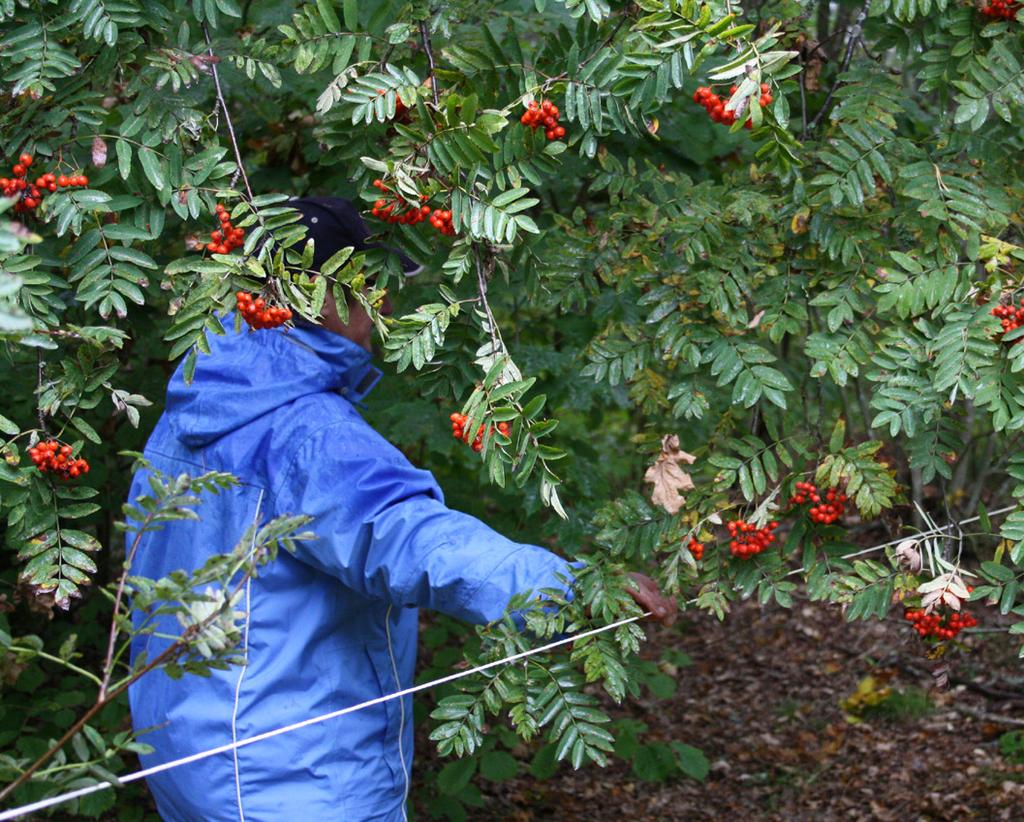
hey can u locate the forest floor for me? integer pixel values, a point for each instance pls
(763, 698)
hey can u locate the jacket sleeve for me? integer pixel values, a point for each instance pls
(383, 530)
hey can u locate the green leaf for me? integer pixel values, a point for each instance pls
(691, 761)
(326, 8)
(151, 167)
(838, 438)
(350, 9)
(998, 572)
(87, 430)
(653, 763)
(123, 149)
(454, 776)
(661, 685)
(986, 523)
(8, 427)
(79, 510)
(498, 766)
(544, 764)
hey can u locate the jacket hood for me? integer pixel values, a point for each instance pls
(251, 373)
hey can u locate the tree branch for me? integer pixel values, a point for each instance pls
(856, 31)
(175, 649)
(425, 37)
(824, 15)
(987, 716)
(803, 97)
(481, 280)
(40, 369)
(108, 661)
(169, 652)
(227, 115)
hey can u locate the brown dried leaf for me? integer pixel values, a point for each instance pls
(39, 600)
(204, 62)
(668, 478)
(813, 57)
(908, 556)
(99, 152)
(10, 668)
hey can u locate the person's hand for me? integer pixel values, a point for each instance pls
(647, 595)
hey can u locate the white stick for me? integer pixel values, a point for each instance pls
(241, 743)
(250, 740)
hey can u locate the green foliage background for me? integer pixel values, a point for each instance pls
(810, 297)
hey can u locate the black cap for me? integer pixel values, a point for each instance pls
(334, 223)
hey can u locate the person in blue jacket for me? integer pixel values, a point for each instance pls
(335, 624)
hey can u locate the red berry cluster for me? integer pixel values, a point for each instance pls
(824, 512)
(258, 314)
(1001, 9)
(715, 105)
(441, 219)
(1010, 318)
(945, 625)
(697, 549)
(228, 238)
(546, 115)
(51, 457)
(394, 210)
(32, 195)
(460, 433)
(748, 540)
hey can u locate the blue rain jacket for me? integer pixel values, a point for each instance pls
(329, 627)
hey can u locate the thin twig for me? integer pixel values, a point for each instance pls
(938, 530)
(803, 96)
(172, 650)
(425, 36)
(40, 369)
(824, 17)
(250, 740)
(227, 116)
(481, 280)
(108, 661)
(855, 35)
(987, 716)
(607, 40)
(63, 662)
(986, 690)
(175, 649)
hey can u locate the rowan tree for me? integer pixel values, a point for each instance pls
(723, 294)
